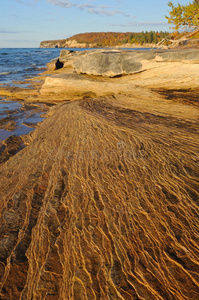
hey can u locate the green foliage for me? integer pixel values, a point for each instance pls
(184, 15)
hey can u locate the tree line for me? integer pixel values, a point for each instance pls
(102, 39)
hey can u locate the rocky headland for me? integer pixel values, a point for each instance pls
(102, 200)
(76, 44)
(152, 39)
(107, 39)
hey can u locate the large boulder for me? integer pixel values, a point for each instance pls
(107, 63)
(116, 63)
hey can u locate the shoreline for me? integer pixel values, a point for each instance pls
(65, 84)
(101, 199)
(50, 87)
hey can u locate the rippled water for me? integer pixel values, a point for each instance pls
(18, 64)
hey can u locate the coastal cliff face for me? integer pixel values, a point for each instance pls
(65, 44)
(146, 39)
(102, 202)
(53, 44)
(107, 39)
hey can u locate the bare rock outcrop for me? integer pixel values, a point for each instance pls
(99, 72)
(103, 204)
(102, 200)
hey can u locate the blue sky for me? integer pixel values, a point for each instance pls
(25, 23)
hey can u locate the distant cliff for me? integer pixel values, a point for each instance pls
(107, 39)
(65, 44)
(53, 44)
(148, 39)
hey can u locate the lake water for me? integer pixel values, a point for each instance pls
(18, 64)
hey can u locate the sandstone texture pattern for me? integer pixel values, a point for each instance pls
(102, 202)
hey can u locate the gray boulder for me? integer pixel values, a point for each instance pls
(117, 63)
(107, 63)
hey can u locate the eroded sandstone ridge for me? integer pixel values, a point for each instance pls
(103, 201)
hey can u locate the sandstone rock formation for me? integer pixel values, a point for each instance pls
(65, 44)
(153, 69)
(103, 202)
(75, 44)
(53, 44)
(116, 63)
(113, 63)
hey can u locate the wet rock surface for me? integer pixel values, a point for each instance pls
(10, 147)
(103, 203)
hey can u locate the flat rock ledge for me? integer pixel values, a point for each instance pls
(102, 72)
(113, 63)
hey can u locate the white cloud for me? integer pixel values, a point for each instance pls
(137, 24)
(148, 23)
(27, 2)
(105, 12)
(98, 10)
(5, 31)
(61, 3)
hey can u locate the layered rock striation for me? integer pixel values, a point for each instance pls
(102, 203)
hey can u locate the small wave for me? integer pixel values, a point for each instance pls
(30, 68)
(5, 73)
(9, 72)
